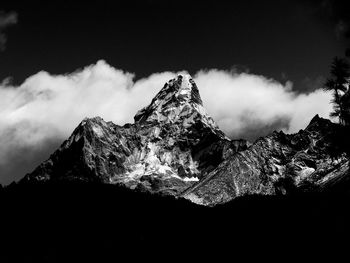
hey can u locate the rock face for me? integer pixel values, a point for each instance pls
(278, 163)
(174, 147)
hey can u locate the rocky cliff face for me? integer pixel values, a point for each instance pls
(174, 147)
(278, 163)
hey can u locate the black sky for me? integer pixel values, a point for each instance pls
(282, 39)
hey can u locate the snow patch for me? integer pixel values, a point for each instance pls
(191, 179)
(137, 171)
(306, 172)
(186, 85)
(195, 199)
(97, 130)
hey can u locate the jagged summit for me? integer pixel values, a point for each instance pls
(318, 123)
(172, 144)
(177, 94)
(178, 102)
(188, 90)
(174, 147)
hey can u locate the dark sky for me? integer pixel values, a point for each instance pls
(282, 39)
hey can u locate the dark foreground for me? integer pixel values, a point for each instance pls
(79, 222)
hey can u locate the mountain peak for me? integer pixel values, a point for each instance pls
(177, 102)
(174, 147)
(188, 90)
(178, 93)
(173, 139)
(318, 123)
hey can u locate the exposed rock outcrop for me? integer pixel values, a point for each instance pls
(174, 147)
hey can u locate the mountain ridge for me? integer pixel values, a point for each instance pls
(175, 148)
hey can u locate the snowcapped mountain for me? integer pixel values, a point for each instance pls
(174, 147)
(277, 164)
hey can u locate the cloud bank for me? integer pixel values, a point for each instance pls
(38, 115)
(249, 106)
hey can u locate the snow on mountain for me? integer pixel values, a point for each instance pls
(174, 147)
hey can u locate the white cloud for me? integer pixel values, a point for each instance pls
(46, 108)
(240, 102)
